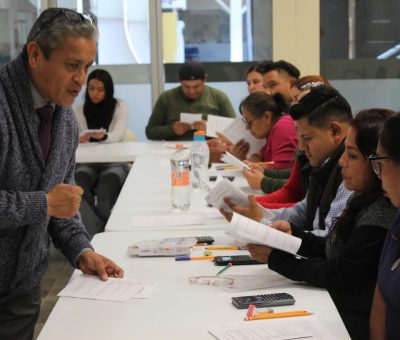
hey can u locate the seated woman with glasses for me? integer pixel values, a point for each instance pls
(385, 312)
(102, 118)
(346, 261)
(265, 117)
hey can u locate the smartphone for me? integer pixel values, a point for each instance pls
(205, 239)
(214, 178)
(235, 260)
(263, 300)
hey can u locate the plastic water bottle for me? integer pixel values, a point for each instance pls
(200, 156)
(180, 176)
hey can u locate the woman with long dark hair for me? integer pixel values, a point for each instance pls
(104, 119)
(385, 312)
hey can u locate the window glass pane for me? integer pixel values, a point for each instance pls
(360, 38)
(216, 30)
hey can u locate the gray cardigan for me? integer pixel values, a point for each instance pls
(25, 228)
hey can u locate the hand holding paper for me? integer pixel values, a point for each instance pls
(245, 230)
(231, 159)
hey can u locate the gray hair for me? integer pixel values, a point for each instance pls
(50, 29)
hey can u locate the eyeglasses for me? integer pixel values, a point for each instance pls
(248, 122)
(377, 164)
(70, 15)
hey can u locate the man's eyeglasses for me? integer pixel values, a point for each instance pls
(247, 123)
(70, 15)
(377, 164)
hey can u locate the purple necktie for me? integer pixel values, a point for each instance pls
(45, 114)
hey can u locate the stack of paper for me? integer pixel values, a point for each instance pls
(237, 131)
(224, 188)
(245, 230)
(217, 124)
(190, 118)
(270, 330)
(228, 158)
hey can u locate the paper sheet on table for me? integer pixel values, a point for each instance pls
(91, 287)
(264, 279)
(225, 188)
(227, 157)
(237, 131)
(190, 118)
(273, 329)
(217, 124)
(245, 230)
(167, 220)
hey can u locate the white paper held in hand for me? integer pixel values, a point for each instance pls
(228, 158)
(217, 124)
(237, 131)
(190, 118)
(225, 188)
(245, 230)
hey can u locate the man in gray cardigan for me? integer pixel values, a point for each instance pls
(38, 197)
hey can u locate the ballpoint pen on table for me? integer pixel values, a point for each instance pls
(262, 316)
(189, 258)
(225, 268)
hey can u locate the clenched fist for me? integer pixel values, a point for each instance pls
(64, 200)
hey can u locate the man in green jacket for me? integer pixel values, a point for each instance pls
(192, 96)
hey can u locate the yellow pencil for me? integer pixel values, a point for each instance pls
(262, 316)
(265, 163)
(223, 248)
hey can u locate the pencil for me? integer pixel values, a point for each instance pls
(223, 248)
(262, 316)
(265, 163)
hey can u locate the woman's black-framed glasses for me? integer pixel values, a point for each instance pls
(70, 15)
(377, 164)
(247, 123)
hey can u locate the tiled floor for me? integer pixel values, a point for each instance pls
(54, 280)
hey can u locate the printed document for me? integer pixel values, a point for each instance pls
(225, 188)
(228, 158)
(217, 124)
(190, 118)
(237, 131)
(275, 329)
(114, 289)
(245, 230)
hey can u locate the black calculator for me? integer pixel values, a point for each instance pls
(263, 300)
(205, 239)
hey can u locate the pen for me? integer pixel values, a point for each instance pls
(223, 248)
(189, 258)
(225, 268)
(262, 316)
(265, 163)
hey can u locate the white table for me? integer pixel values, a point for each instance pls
(112, 152)
(177, 309)
(147, 192)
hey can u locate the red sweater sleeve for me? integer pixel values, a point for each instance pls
(291, 192)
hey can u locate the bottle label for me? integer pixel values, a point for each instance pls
(181, 178)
